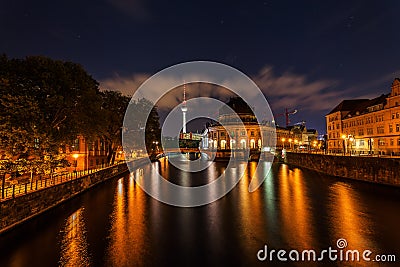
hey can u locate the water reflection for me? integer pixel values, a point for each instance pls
(128, 223)
(349, 219)
(293, 209)
(74, 246)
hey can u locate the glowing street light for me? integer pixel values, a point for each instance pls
(75, 156)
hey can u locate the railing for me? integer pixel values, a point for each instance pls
(16, 190)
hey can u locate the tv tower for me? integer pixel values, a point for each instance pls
(184, 109)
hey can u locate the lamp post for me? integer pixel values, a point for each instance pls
(370, 145)
(283, 142)
(290, 143)
(75, 156)
(344, 144)
(351, 139)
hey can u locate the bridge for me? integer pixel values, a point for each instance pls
(217, 154)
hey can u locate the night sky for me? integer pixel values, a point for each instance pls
(305, 55)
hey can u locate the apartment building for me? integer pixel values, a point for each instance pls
(366, 126)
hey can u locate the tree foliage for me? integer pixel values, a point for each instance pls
(46, 103)
(113, 106)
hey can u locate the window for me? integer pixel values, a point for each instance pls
(36, 144)
(75, 146)
(252, 133)
(393, 116)
(397, 127)
(390, 128)
(380, 130)
(398, 142)
(361, 143)
(381, 142)
(360, 132)
(337, 126)
(222, 133)
(223, 144)
(391, 142)
(370, 131)
(243, 133)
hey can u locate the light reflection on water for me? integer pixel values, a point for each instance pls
(74, 246)
(351, 221)
(293, 209)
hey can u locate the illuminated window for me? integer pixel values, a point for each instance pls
(75, 146)
(232, 143)
(243, 143)
(223, 144)
(252, 143)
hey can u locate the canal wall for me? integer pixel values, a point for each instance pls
(22, 208)
(370, 169)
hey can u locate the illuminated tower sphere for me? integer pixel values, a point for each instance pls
(184, 110)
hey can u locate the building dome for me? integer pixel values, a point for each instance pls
(240, 108)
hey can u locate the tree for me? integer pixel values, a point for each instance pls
(44, 105)
(138, 125)
(113, 106)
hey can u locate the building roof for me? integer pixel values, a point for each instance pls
(355, 107)
(238, 105)
(348, 105)
(362, 108)
(312, 131)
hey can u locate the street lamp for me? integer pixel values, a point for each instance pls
(75, 156)
(290, 143)
(351, 139)
(344, 144)
(283, 142)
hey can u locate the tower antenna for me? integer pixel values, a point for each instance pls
(184, 109)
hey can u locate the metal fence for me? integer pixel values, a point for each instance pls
(16, 190)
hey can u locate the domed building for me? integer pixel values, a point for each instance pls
(240, 131)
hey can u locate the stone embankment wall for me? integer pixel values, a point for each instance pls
(371, 169)
(24, 207)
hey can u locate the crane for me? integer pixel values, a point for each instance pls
(287, 113)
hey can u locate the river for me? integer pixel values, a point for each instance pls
(118, 224)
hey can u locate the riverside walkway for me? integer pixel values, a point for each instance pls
(16, 190)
